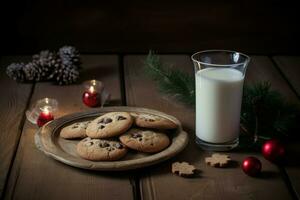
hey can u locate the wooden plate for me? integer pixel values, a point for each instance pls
(47, 139)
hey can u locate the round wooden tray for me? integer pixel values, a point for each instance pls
(47, 139)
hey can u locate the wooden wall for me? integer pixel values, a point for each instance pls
(251, 26)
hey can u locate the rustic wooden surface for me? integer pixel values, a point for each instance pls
(35, 176)
(290, 68)
(212, 183)
(13, 101)
(30, 174)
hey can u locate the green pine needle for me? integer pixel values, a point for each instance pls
(276, 117)
(172, 82)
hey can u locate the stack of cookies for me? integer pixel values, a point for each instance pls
(109, 136)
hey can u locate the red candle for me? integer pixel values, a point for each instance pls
(44, 117)
(91, 97)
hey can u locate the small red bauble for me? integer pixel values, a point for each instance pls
(43, 118)
(274, 151)
(91, 99)
(251, 166)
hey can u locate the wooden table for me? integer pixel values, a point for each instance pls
(26, 173)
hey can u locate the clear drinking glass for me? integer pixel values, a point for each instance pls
(219, 76)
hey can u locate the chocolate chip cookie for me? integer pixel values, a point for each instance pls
(145, 140)
(76, 130)
(153, 121)
(109, 125)
(100, 150)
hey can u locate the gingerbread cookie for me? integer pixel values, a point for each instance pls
(218, 160)
(109, 125)
(145, 140)
(183, 169)
(100, 150)
(73, 131)
(153, 121)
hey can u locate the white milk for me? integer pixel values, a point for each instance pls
(218, 104)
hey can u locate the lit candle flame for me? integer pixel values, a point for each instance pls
(92, 89)
(93, 82)
(46, 111)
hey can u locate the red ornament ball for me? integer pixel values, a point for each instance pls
(43, 118)
(91, 99)
(251, 166)
(274, 151)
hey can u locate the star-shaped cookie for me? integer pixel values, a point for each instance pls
(218, 160)
(183, 169)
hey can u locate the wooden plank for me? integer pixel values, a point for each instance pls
(36, 176)
(262, 69)
(290, 67)
(13, 101)
(159, 183)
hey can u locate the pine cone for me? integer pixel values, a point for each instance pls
(31, 71)
(69, 55)
(45, 62)
(15, 71)
(62, 67)
(65, 74)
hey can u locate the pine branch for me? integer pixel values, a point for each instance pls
(266, 113)
(172, 82)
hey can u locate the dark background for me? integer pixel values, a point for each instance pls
(250, 26)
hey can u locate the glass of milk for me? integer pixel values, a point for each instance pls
(219, 76)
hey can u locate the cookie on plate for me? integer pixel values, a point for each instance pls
(100, 150)
(153, 121)
(145, 140)
(73, 131)
(109, 125)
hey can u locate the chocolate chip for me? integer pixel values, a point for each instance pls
(121, 118)
(140, 139)
(109, 148)
(73, 127)
(119, 146)
(151, 120)
(102, 127)
(136, 135)
(106, 144)
(89, 143)
(103, 145)
(107, 120)
(101, 121)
